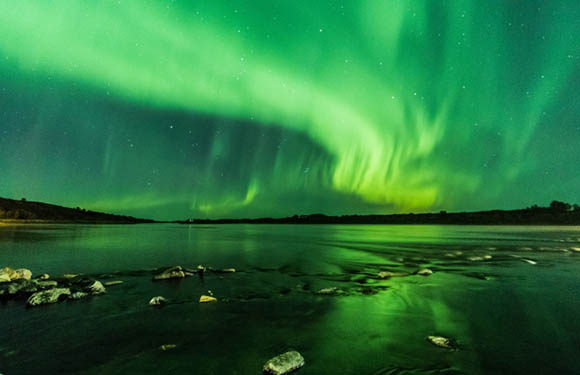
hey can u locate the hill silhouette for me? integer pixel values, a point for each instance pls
(558, 213)
(22, 211)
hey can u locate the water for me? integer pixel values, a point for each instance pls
(515, 313)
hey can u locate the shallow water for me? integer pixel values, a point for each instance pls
(517, 312)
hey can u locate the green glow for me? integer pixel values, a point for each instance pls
(410, 100)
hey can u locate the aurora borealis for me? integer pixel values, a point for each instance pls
(173, 109)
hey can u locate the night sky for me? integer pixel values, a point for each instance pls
(177, 109)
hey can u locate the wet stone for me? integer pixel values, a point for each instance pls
(442, 342)
(284, 363)
(170, 273)
(425, 272)
(48, 296)
(157, 301)
(78, 295)
(328, 291)
(205, 299)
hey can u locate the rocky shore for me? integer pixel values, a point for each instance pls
(20, 284)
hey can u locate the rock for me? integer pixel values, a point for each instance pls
(69, 276)
(46, 284)
(21, 286)
(78, 295)
(170, 273)
(284, 363)
(201, 268)
(167, 347)
(113, 283)
(385, 275)
(576, 249)
(157, 301)
(204, 299)
(44, 276)
(442, 342)
(227, 270)
(4, 277)
(21, 273)
(529, 261)
(8, 274)
(328, 291)
(96, 288)
(47, 296)
(475, 259)
(425, 272)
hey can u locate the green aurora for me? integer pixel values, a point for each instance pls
(174, 109)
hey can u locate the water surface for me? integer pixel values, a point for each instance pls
(510, 296)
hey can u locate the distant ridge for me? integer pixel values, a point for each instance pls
(558, 213)
(22, 211)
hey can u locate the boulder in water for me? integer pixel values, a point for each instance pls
(284, 363)
(204, 299)
(442, 342)
(167, 347)
(78, 295)
(8, 274)
(113, 283)
(19, 287)
(157, 301)
(170, 273)
(48, 296)
(425, 272)
(333, 291)
(46, 284)
(385, 275)
(96, 288)
(21, 274)
(226, 270)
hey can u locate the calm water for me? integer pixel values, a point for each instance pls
(516, 313)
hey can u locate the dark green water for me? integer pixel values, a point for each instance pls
(509, 316)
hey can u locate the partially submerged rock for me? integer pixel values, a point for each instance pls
(8, 274)
(284, 363)
(385, 275)
(442, 342)
(167, 347)
(21, 274)
(204, 299)
(78, 295)
(425, 272)
(529, 261)
(479, 258)
(333, 291)
(157, 301)
(48, 296)
(69, 276)
(96, 288)
(227, 270)
(19, 287)
(170, 273)
(46, 284)
(113, 283)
